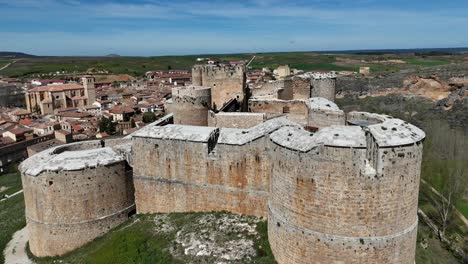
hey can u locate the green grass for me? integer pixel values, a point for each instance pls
(435, 253)
(12, 181)
(426, 62)
(11, 220)
(462, 206)
(136, 241)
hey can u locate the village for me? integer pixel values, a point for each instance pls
(51, 109)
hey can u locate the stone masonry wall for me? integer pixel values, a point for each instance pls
(235, 119)
(191, 105)
(301, 88)
(226, 83)
(326, 207)
(67, 209)
(323, 118)
(181, 176)
(296, 110)
(324, 87)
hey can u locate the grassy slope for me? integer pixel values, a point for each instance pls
(12, 181)
(11, 220)
(435, 253)
(136, 242)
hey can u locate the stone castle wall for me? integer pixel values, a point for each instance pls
(181, 176)
(324, 118)
(235, 119)
(226, 82)
(191, 105)
(293, 88)
(301, 88)
(68, 208)
(342, 194)
(296, 110)
(324, 87)
(337, 204)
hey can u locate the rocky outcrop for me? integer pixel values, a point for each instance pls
(434, 83)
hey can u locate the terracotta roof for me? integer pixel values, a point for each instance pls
(51, 81)
(75, 114)
(77, 128)
(26, 121)
(20, 111)
(57, 88)
(19, 131)
(121, 110)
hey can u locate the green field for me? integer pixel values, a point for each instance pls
(137, 66)
(427, 62)
(11, 220)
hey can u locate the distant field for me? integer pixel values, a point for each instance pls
(137, 66)
(427, 62)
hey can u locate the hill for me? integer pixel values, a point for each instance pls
(15, 55)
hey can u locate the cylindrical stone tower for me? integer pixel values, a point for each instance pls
(73, 194)
(323, 85)
(191, 105)
(345, 194)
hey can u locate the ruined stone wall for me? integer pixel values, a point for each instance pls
(226, 83)
(324, 118)
(67, 209)
(301, 88)
(235, 119)
(181, 176)
(324, 87)
(269, 89)
(286, 89)
(197, 75)
(364, 116)
(296, 110)
(328, 206)
(191, 105)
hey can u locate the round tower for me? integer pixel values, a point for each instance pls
(73, 194)
(345, 194)
(191, 105)
(323, 85)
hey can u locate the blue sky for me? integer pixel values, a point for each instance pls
(173, 27)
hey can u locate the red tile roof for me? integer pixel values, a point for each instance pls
(57, 88)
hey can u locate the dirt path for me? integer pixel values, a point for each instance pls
(462, 217)
(9, 196)
(15, 251)
(6, 66)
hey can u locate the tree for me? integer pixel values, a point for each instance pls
(106, 125)
(149, 117)
(132, 123)
(169, 67)
(446, 169)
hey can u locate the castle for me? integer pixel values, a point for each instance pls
(347, 192)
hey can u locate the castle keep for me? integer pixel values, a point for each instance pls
(345, 193)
